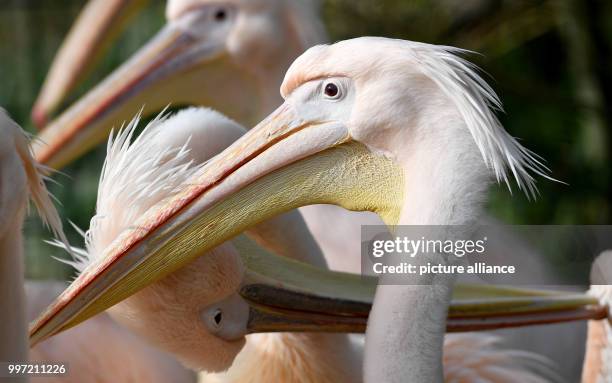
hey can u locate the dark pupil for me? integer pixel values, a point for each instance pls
(218, 317)
(220, 15)
(331, 90)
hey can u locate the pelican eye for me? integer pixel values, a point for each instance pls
(217, 317)
(331, 90)
(220, 14)
(228, 318)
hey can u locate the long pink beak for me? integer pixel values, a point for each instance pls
(98, 25)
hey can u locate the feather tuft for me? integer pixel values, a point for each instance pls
(138, 173)
(477, 103)
(38, 193)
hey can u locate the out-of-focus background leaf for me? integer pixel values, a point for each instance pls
(550, 61)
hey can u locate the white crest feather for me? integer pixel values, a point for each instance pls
(137, 174)
(477, 102)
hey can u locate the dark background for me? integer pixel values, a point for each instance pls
(550, 62)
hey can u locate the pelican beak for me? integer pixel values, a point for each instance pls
(285, 295)
(285, 162)
(148, 80)
(98, 25)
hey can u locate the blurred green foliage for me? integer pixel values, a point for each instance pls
(550, 61)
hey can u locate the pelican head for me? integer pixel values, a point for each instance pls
(195, 312)
(400, 128)
(220, 54)
(153, 167)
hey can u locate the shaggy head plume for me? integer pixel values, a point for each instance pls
(141, 172)
(458, 79)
